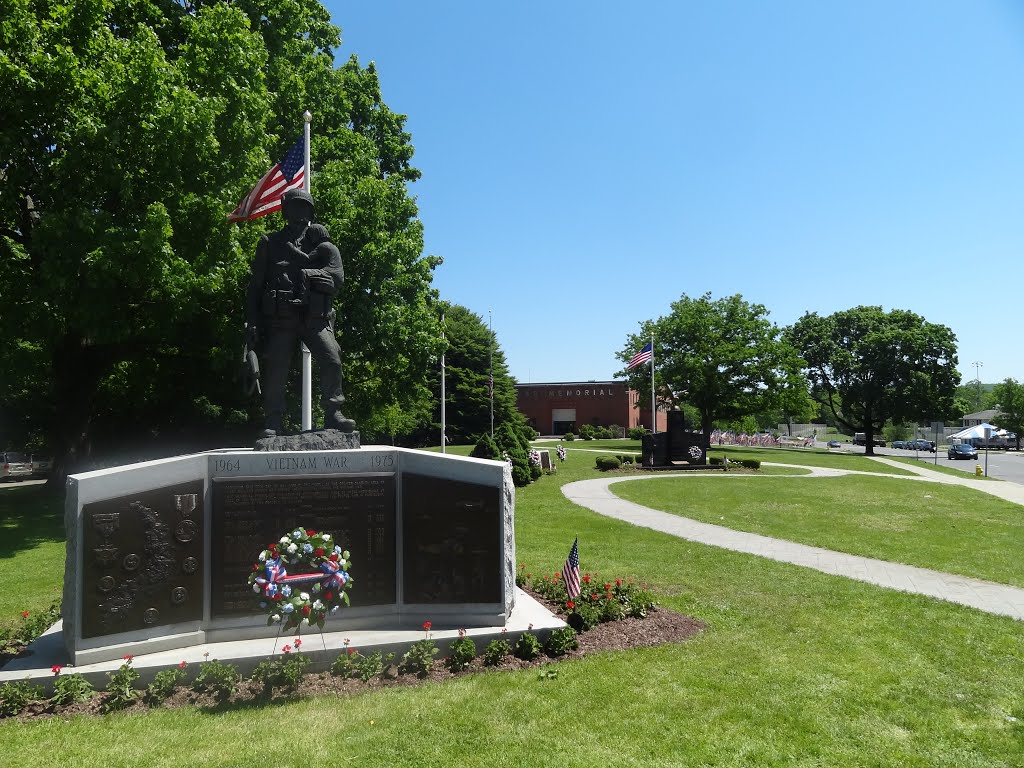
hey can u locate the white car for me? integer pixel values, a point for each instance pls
(15, 466)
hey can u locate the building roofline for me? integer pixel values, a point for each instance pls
(572, 383)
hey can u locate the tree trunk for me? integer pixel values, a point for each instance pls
(78, 368)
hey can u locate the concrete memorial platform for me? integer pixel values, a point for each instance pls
(159, 554)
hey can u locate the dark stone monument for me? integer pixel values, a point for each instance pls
(677, 444)
(358, 510)
(453, 544)
(143, 560)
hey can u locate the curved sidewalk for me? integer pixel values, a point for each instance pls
(987, 596)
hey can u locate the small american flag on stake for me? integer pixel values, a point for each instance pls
(571, 571)
(643, 356)
(265, 197)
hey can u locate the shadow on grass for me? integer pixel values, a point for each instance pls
(30, 515)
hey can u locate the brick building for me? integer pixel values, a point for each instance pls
(557, 408)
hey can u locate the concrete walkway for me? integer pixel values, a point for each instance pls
(987, 596)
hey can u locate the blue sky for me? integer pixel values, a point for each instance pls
(586, 164)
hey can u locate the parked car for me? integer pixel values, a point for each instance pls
(15, 466)
(41, 466)
(899, 444)
(834, 444)
(961, 451)
(921, 445)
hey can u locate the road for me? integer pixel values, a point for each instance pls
(1003, 465)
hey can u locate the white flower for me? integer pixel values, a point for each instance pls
(263, 556)
(286, 591)
(318, 605)
(334, 609)
(304, 596)
(292, 549)
(287, 607)
(337, 550)
(327, 537)
(276, 617)
(285, 539)
(256, 588)
(306, 622)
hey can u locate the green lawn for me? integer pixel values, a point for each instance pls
(809, 457)
(31, 550)
(951, 529)
(795, 668)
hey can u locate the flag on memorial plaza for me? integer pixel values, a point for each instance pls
(561, 452)
(571, 571)
(643, 356)
(265, 197)
(490, 385)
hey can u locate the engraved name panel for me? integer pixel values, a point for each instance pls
(143, 560)
(249, 514)
(452, 541)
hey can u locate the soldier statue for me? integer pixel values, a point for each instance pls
(295, 276)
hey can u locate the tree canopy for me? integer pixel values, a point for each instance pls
(130, 130)
(1009, 397)
(721, 356)
(869, 366)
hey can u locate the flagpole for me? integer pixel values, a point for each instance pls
(490, 366)
(443, 440)
(307, 358)
(654, 410)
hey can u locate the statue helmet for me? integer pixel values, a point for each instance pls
(294, 196)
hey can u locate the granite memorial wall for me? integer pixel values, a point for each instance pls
(159, 553)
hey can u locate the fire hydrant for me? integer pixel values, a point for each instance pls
(977, 470)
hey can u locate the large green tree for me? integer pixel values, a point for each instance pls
(472, 352)
(869, 366)
(721, 356)
(130, 129)
(1009, 397)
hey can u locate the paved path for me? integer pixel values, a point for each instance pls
(987, 596)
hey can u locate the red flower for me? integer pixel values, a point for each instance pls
(557, 575)
(618, 582)
(334, 557)
(570, 605)
(128, 657)
(298, 642)
(586, 579)
(286, 649)
(351, 651)
(319, 551)
(305, 610)
(24, 614)
(278, 597)
(608, 596)
(426, 626)
(255, 567)
(607, 586)
(55, 669)
(593, 596)
(328, 595)
(311, 533)
(183, 665)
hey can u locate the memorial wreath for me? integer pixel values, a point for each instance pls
(286, 598)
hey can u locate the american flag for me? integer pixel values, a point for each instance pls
(490, 386)
(571, 571)
(265, 197)
(643, 356)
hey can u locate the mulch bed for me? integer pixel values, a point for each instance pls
(661, 626)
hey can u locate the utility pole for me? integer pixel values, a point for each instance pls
(977, 376)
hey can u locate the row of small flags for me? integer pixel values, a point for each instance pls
(726, 437)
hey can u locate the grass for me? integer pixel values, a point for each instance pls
(927, 463)
(31, 550)
(801, 456)
(795, 668)
(950, 529)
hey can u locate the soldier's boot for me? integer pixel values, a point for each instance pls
(333, 419)
(272, 426)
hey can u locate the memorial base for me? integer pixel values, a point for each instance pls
(159, 554)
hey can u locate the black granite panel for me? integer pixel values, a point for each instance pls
(452, 541)
(357, 510)
(143, 560)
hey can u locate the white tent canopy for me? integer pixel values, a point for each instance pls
(978, 432)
